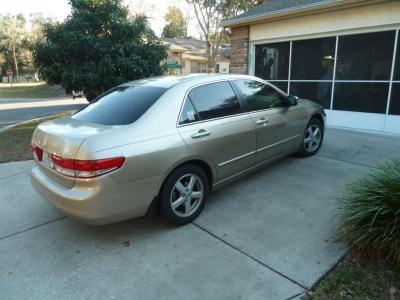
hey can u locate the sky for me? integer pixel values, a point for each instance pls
(59, 9)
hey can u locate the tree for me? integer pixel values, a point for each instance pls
(210, 13)
(232, 8)
(16, 41)
(176, 26)
(12, 35)
(38, 24)
(98, 47)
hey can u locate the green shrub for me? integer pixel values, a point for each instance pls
(371, 211)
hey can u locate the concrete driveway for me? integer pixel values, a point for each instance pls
(270, 235)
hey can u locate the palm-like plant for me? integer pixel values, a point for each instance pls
(371, 211)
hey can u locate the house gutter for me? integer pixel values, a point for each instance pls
(313, 8)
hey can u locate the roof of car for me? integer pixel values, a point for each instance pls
(170, 81)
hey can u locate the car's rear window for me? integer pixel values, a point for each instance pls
(121, 105)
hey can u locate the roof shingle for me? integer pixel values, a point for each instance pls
(274, 6)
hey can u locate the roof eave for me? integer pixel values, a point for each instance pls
(299, 10)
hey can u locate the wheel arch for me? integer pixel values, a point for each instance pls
(206, 166)
(202, 163)
(319, 117)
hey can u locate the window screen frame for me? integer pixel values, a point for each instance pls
(335, 80)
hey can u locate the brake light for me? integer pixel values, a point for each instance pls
(80, 168)
(37, 152)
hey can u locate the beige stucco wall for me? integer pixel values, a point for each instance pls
(223, 66)
(382, 15)
(188, 67)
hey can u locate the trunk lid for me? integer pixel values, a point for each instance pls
(63, 137)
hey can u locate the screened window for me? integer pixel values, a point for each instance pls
(362, 97)
(272, 61)
(397, 63)
(283, 85)
(313, 59)
(365, 56)
(319, 92)
(259, 95)
(121, 105)
(188, 114)
(201, 68)
(395, 100)
(215, 100)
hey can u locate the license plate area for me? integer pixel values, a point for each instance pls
(47, 160)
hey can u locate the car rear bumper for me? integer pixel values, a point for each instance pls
(99, 200)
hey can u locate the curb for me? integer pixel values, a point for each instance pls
(8, 127)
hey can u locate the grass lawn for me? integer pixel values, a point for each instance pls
(353, 279)
(31, 90)
(15, 143)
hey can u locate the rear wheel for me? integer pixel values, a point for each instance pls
(184, 194)
(313, 137)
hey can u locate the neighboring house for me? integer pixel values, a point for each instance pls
(186, 56)
(344, 55)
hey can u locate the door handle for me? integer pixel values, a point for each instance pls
(200, 133)
(262, 121)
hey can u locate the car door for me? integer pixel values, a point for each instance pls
(213, 123)
(278, 126)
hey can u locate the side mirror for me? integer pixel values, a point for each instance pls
(292, 100)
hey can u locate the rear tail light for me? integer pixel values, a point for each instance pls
(37, 153)
(78, 168)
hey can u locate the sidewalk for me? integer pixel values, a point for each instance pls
(6, 104)
(13, 111)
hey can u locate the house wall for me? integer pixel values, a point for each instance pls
(239, 50)
(188, 67)
(376, 17)
(223, 67)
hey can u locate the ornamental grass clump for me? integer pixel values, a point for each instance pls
(371, 212)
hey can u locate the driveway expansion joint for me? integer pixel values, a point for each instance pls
(346, 161)
(31, 228)
(249, 256)
(295, 296)
(16, 174)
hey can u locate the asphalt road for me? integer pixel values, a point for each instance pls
(23, 110)
(12, 116)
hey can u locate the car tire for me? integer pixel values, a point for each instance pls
(312, 138)
(184, 194)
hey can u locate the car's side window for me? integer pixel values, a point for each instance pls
(260, 96)
(215, 100)
(188, 114)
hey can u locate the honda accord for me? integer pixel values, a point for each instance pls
(162, 144)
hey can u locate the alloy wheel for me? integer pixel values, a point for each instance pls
(187, 195)
(312, 138)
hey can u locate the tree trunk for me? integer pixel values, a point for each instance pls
(209, 58)
(15, 60)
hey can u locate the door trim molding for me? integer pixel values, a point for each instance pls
(278, 143)
(236, 159)
(252, 168)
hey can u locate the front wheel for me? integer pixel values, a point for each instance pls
(184, 194)
(313, 137)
